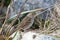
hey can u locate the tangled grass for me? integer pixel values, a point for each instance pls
(47, 26)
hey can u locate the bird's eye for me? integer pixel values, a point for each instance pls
(0, 1)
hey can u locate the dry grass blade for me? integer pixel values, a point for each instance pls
(18, 14)
(30, 11)
(7, 15)
(2, 18)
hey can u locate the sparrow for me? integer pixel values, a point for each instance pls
(27, 22)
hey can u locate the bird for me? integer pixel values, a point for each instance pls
(27, 22)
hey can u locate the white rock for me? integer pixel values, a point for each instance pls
(32, 36)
